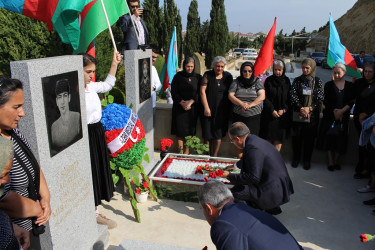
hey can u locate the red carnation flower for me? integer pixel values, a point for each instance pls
(219, 172)
(213, 175)
(137, 190)
(366, 237)
(206, 179)
(145, 184)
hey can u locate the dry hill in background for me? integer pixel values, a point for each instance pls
(357, 27)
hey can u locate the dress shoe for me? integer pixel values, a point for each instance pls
(306, 165)
(274, 211)
(295, 163)
(331, 167)
(370, 202)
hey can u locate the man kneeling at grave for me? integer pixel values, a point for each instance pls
(264, 181)
(67, 128)
(238, 226)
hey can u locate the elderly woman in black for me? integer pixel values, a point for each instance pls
(274, 120)
(306, 96)
(333, 132)
(214, 97)
(185, 94)
(27, 196)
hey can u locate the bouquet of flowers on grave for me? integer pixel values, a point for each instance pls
(165, 144)
(366, 237)
(125, 137)
(211, 171)
(141, 187)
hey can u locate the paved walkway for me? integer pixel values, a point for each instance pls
(325, 212)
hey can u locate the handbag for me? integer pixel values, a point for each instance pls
(297, 117)
(335, 129)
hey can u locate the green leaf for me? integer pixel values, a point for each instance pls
(125, 173)
(110, 98)
(146, 149)
(131, 105)
(136, 169)
(115, 178)
(112, 165)
(104, 103)
(106, 94)
(136, 180)
(146, 158)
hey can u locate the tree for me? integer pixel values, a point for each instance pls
(179, 36)
(193, 30)
(204, 35)
(170, 14)
(217, 32)
(154, 20)
(23, 38)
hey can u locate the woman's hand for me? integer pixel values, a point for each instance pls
(229, 168)
(275, 114)
(45, 216)
(305, 112)
(22, 235)
(338, 113)
(207, 112)
(281, 112)
(225, 173)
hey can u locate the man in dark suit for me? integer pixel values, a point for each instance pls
(360, 59)
(238, 226)
(130, 31)
(264, 181)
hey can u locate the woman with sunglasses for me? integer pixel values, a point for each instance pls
(214, 97)
(247, 93)
(274, 118)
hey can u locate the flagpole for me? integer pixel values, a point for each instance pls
(109, 26)
(131, 19)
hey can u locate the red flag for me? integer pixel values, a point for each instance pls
(265, 56)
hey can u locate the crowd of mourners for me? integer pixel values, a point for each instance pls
(279, 109)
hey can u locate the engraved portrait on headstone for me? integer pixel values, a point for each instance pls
(144, 79)
(62, 110)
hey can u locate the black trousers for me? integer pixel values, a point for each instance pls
(303, 140)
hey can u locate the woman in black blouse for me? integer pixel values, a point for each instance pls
(32, 208)
(333, 132)
(275, 106)
(216, 105)
(185, 95)
(306, 96)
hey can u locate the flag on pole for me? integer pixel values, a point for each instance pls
(339, 53)
(60, 15)
(93, 20)
(171, 62)
(265, 56)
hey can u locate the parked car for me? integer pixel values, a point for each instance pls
(238, 52)
(250, 54)
(325, 64)
(318, 57)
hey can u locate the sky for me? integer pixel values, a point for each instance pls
(255, 16)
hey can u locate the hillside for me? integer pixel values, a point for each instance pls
(356, 28)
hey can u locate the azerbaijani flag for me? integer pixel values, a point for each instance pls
(265, 56)
(60, 15)
(93, 20)
(171, 65)
(338, 53)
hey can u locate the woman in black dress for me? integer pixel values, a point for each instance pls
(306, 96)
(274, 119)
(333, 131)
(216, 105)
(185, 95)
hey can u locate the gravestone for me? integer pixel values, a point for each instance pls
(64, 156)
(138, 80)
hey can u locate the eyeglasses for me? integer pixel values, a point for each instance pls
(247, 71)
(134, 6)
(368, 72)
(231, 140)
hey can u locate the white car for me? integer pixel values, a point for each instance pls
(250, 54)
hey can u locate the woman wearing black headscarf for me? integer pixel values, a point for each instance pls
(185, 95)
(247, 93)
(306, 96)
(275, 106)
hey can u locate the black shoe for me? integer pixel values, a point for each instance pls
(306, 165)
(274, 211)
(337, 166)
(369, 202)
(331, 167)
(295, 163)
